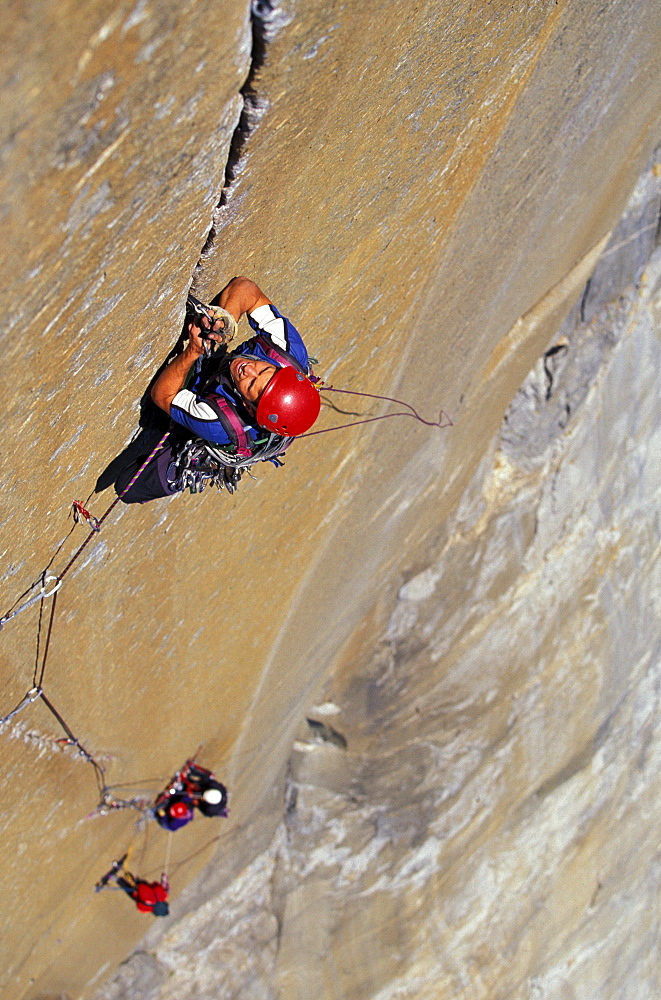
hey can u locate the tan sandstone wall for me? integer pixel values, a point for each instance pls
(427, 191)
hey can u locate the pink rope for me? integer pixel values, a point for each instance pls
(112, 506)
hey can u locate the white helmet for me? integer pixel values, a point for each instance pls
(213, 796)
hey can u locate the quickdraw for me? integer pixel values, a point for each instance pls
(27, 699)
(41, 596)
(79, 512)
(200, 464)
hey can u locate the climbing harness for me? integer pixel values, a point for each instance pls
(198, 463)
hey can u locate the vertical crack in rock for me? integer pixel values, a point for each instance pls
(267, 18)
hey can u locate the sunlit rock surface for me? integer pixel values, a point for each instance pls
(473, 809)
(466, 617)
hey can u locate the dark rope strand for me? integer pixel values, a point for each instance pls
(38, 682)
(385, 416)
(112, 506)
(190, 857)
(143, 785)
(73, 740)
(400, 402)
(409, 412)
(38, 642)
(99, 770)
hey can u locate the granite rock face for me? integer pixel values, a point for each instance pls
(424, 662)
(470, 811)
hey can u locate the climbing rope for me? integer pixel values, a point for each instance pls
(50, 585)
(41, 596)
(94, 530)
(189, 857)
(168, 851)
(410, 411)
(27, 699)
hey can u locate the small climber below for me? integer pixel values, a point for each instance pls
(194, 787)
(173, 811)
(149, 897)
(231, 410)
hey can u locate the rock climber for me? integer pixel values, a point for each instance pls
(149, 897)
(240, 408)
(174, 811)
(207, 793)
(193, 787)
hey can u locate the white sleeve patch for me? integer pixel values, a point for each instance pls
(272, 325)
(196, 408)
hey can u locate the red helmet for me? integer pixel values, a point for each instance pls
(290, 404)
(179, 809)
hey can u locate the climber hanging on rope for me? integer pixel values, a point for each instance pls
(229, 410)
(149, 897)
(193, 787)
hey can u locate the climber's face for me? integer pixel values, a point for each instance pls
(251, 376)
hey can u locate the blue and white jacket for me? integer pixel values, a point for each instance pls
(277, 341)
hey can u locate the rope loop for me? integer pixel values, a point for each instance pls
(58, 583)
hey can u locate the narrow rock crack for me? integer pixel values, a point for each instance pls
(266, 17)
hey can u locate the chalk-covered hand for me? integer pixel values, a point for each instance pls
(214, 323)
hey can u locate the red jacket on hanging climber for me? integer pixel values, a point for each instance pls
(149, 897)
